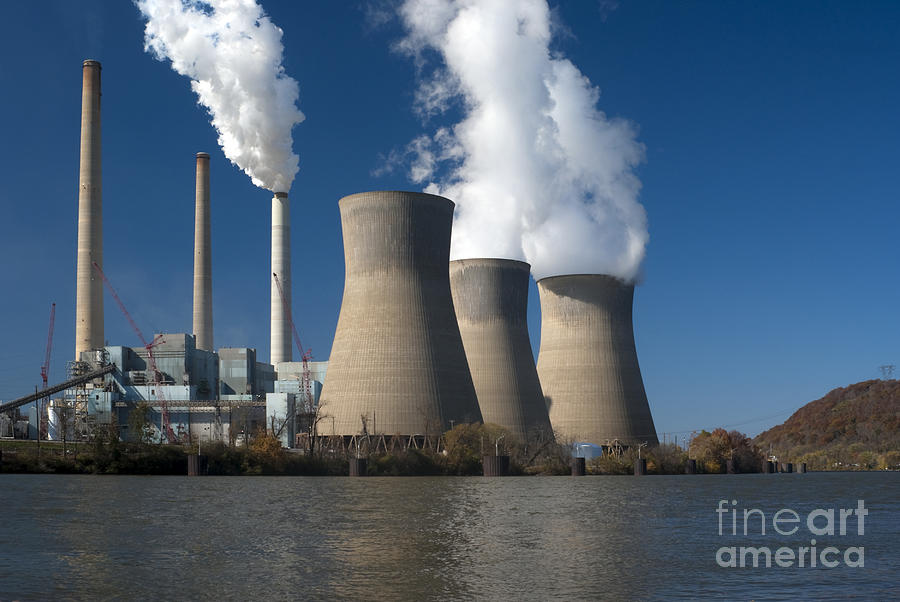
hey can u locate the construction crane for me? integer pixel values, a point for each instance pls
(305, 354)
(45, 367)
(166, 427)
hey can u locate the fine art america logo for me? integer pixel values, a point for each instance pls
(786, 523)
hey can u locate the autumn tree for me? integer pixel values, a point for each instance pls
(713, 450)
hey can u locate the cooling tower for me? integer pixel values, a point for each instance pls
(588, 364)
(88, 286)
(203, 322)
(397, 357)
(280, 327)
(490, 297)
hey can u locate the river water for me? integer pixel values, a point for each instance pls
(526, 538)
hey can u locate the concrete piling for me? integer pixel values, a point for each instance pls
(495, 466)
(578, 467)
(358, 467)
(197, 465)
(640, 467)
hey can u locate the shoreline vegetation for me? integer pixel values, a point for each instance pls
(459, 453)
(856, 427)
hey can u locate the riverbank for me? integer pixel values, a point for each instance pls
(458, 456)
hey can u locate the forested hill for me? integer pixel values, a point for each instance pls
(854, 427)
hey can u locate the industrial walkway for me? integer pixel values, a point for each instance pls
(72, 382)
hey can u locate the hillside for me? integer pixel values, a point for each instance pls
(854, 427)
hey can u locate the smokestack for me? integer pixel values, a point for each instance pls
(203, 322)
(588, 364)
(88, 286)
(280, 340)
(397, 357)
(490, 297)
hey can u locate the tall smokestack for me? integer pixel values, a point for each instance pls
(490, 297)
(280, 343)
(397, 356)
(203, 318)
(588, 364)
(88, 286)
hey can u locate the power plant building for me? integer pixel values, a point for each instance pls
(490, 297)
(241, 374)
(178, 360)
(588, 363)
(187, 387)
(290, 378)
(421, 343)
(192, 383)
(397, 361)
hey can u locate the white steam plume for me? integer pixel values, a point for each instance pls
(232, 52)
(538, 172)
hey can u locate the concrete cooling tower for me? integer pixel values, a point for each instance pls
(490, 297)
(397, 357)
(588, 364)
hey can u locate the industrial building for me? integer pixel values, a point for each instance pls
(292, 409)
(588, 364)
(225, 395)
(193, 386)
(490, 297)
(421, 343)
(189, 389)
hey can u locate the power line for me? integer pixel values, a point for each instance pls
(727, 426)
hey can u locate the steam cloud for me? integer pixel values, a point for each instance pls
(232, 52)
(538, 172)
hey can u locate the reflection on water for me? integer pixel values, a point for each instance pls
(419, 538)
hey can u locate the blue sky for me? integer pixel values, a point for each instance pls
(770, 184)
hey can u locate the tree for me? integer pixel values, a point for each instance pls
(713, 450)
(139, 422)
(309, 417)
(466, 443)
(277, 425)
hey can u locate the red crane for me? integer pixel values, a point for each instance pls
(305, 355)
(45, 367)
(157, 375)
